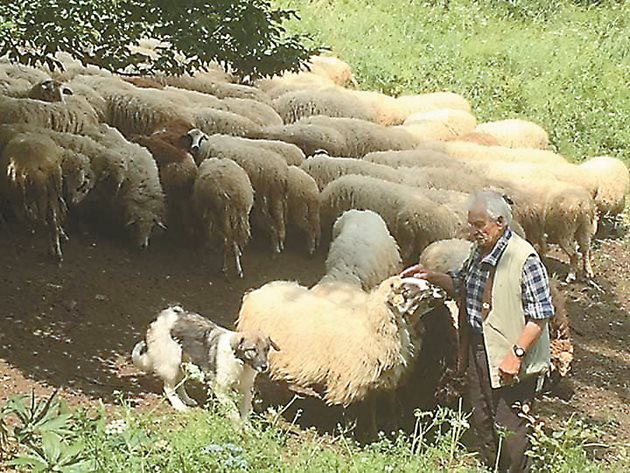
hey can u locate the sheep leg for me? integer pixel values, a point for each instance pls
(278, 226)
(55, 244)
(584, 246)
(237, 260)
(568, 246)
(227, 256)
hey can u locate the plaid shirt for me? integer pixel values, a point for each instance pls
(476, 270)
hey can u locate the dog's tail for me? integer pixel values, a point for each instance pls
(140, 358)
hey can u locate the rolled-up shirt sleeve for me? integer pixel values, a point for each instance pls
(537, 303)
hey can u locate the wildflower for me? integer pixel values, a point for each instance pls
(116, 427)
(235, 462)
(236, 450)
(193, 372)
(213, 449)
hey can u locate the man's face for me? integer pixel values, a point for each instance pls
(484, 230)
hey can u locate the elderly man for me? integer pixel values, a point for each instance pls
(505, 304)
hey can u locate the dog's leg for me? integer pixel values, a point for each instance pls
(171, 395)
(183, 395)
(246, 390)
(223, 396)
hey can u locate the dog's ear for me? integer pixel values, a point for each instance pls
(273, 344)
(237, 341)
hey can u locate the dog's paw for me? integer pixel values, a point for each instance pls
(191, 402)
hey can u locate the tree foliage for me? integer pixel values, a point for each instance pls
(247, 36)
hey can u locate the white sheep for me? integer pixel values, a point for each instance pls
(427, 130)
(341, 353)
(333, 68)
(136, 111)
(47, 90)
(74, 115)
(383, 107)
(409, 104)
(223, 199)
(414, 219)
(476, 152)
(394, 111)
(446, 255)
(333, 102)
(516, 133)
(362, 252)
(416, 158)
(362, 137)
(204, 83)
(309, 138)
(459, 121)
(291, 81)
(303, 206)
(613, 183)
(258, 112)
(107, 167)
(551, 211)
(325, 169)
(267, 172)
(78, 175)
(32, 184)
(22, 72)
(291, 153)
(139, 204)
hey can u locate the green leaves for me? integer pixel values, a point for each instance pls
(54, 455)
(44, 433)
(245, 35)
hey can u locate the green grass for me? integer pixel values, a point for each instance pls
(563, 64)
(44, 435)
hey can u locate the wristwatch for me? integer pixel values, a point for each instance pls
(518, 351)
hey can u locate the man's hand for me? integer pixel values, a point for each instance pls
(416, 271)
(509, 368)
(440, 279)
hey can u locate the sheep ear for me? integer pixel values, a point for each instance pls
(131, 221)
(273, 344)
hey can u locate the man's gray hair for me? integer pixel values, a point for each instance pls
(494, 203)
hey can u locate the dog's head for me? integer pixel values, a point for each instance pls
(252, 349)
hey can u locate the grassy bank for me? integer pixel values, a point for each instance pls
(43, 435)
(564, 64)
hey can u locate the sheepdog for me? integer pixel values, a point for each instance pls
(228, 360)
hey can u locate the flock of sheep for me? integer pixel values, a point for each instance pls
(385, 176)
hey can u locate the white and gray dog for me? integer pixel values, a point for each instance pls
(229, 360)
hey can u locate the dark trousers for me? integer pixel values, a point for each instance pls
(497, 410)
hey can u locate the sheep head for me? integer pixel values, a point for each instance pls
(195, 139)
(408, 296)
(50, 90)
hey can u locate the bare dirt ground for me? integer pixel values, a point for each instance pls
(72, 328)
